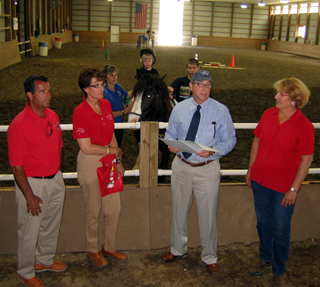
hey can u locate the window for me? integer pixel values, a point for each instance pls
(314, 8)
(302, 31)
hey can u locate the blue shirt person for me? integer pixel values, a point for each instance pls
(115, 94)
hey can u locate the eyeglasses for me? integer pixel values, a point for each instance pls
(200, 85)
(282, 95)
(97, 86)
(49, 129)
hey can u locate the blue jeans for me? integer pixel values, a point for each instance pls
(273, 225)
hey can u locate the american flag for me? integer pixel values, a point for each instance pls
(141, 15)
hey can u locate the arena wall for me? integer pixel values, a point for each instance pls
(10, 53)
(145, 220)
(230, 42)
(294, 48)
(93, 36)
(125, 37)
(272, 45)
(96, 36)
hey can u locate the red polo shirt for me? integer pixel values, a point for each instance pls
(280, 149)
(88, 124)
(31, 143)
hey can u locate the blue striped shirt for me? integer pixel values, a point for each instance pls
(216, 127)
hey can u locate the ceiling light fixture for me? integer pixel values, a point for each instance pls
(284, 1)
(244, 5)
(261, 3)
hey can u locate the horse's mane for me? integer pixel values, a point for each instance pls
(160, 107)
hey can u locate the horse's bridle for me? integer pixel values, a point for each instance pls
(140, 115)
(132, 113)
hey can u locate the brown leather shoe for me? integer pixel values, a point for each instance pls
(213, 269)
(55, 267)
(33, 282)
(116, 255)
(98, 260)
(169, 257)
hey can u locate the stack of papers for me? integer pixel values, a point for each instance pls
(188, 146)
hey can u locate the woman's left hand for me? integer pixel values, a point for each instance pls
(289, 198)
(120, 168)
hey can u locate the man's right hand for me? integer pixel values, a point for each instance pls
(33, 201)
(33, 205)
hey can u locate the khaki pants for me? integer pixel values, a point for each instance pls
(94, 203)
(38, 235)
(204, 182)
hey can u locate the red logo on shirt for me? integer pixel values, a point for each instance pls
(80, 131)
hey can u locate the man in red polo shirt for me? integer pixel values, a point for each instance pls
(35, 151)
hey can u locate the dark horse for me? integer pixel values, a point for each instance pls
(152, 97)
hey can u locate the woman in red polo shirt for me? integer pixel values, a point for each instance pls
(281, 154)
(93, 128)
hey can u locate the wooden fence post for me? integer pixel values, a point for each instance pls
(149, 154)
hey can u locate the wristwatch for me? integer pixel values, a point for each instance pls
(293, 189)
(122, 112)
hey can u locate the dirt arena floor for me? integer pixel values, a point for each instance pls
(145, 268)
(247, 93)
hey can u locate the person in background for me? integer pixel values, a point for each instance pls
(35, 156)
(280, 157)
(198, 173)
(138, 41)
(93, 128)
(179, 88)
(116, 95)
(145, 39)
(148, 32)
(148, 58)
(153, 38)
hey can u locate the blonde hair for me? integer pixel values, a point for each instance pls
(296, 89)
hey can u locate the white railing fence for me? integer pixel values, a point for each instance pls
(224, 172)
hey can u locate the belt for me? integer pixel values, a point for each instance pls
(45, 177)
(194, 164)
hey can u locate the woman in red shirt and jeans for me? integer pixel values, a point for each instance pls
(280, 157)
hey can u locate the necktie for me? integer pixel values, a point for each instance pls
(193, 128)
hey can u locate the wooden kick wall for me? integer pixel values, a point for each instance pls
(145, 220)
(9, 54)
